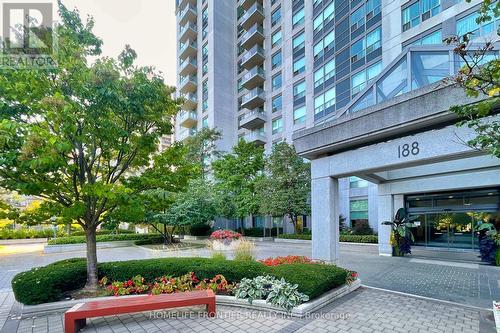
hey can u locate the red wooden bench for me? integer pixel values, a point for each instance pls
(75, 318)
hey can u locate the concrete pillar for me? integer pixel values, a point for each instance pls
(325, 219)
(385, 213)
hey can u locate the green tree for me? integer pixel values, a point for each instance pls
(202, 149)
(237, 175)
(285, 189)
(194, 207)
(479, 76)
(73, 134)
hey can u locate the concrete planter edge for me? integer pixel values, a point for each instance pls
(58, 248)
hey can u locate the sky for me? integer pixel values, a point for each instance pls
(148, 26)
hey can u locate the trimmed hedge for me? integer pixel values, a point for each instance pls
(359, 238)
(102, 238)
(49, 283)
(259, 232)
(27, 233)
(343, 238)
(104, 232)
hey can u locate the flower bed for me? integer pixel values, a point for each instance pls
(51, 283)
(285, 260)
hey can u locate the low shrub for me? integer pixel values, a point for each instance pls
(342, 237)
(361, 227)
(199, 230)
(26, 233)
(296, 236)
(50, 283)
(359, 238)
(102, 238)
(150, 240)
(259, 232)
(105, 232)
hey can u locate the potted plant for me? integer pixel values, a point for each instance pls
(401, 236)
(223, 240)
(489, 243)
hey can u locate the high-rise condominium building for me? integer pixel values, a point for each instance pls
(265, 69)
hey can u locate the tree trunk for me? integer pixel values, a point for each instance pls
(92, 281)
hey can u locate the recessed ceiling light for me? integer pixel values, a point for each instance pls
(450, 197)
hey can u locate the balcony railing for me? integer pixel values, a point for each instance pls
(188, 84)
(186, 133)
(187, 66)
(256, 137)
(254, 14)
(253, 78)
(190, 101)
(253, 99)
(187, 49)
(187, 31)
(253, 119)
(253, 36)
(187, 118)
(254, 56)
(187, 14)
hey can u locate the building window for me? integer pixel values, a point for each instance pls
(204, 122)
(373, 40)
(276, 38)
(324, 17)
(434, 38)
(358, 50)
(298, 17)
(276, 59)
(277, 125)
(299, 66)
(356, 182)
(276, 16)
(324, 45)
(324, 101)
(326, 72)
(358, 211)
(372, 8)
(359, 80)
(469, 24)
(276, 81)
(358, 18)
(299, 90)
(204, 89)
(204, 51)
(419, 12)
(276, 103)
(240, 86)
(299, 115)
(298, 42)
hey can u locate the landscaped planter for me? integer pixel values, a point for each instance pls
(260, 305)
(189, 237)
(259, 239)
(219, 245)
(296, 241)
(83, 246)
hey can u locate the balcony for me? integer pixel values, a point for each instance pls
(188, 14)
(187, 119)
(253, 119)
(188, 31)
(187, 84)
(254, 15)
(255, 35)
(187, 66)
(183, 3)
(253, 57)
(256, 137)
(245, 4)
(188, 49)
(253, 99)
(190, 101)
(253, 78)
(186, 133)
